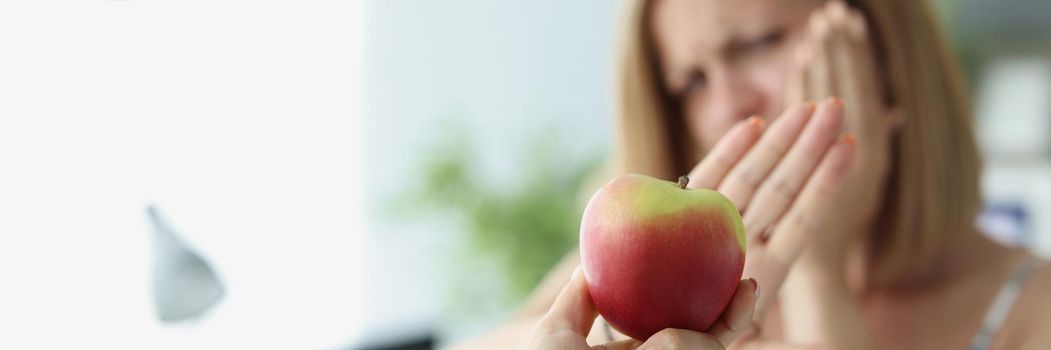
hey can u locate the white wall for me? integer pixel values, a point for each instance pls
(235, 117)
(1014, 121)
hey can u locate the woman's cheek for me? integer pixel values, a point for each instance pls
(706, 126)
(770, 77)
(715, 131)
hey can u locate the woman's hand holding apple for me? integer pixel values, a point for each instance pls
(570, 319)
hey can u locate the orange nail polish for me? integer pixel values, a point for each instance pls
(848, 138)
(836, 100)
(757, 122)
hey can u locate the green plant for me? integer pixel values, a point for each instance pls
(518, 232)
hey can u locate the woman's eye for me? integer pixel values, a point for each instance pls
(697, 82)
(767, 40)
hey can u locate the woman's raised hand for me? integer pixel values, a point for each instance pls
(783, 180)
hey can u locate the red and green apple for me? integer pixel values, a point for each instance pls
(658, 255)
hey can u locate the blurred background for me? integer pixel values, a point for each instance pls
(354, 175)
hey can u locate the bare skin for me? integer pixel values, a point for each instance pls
(802, 145)
(727, 61)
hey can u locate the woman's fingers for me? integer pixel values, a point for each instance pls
(745, 177)
(850, 56)
(730, 148)
(796, 229)
(569, 320)
(779, 190)
(754, 341)
(764, 344)
(738, 315)
(769, 260)
(627, 344)
(681, 339)
(797, 82)
(820, 80)
(735, 321)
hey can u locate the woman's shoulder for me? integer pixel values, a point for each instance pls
(1029, 325)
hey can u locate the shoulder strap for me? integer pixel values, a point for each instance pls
(1005, 299)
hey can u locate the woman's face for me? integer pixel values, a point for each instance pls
(727, 60)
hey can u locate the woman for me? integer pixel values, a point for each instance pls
(883, 254)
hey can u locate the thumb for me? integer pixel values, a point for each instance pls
(573, 310)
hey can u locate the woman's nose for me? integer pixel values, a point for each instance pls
(739, 97)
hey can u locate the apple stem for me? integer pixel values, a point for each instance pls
(683, 180)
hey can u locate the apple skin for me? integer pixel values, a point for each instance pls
(658, 256)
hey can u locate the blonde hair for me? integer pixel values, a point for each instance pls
(932, 187)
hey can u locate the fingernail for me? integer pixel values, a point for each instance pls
(756, 286)
(757, 122)
(848, 138)
(836, 100)
(810, 106)
(576, 272)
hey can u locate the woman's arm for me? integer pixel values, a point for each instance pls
(818, 307)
